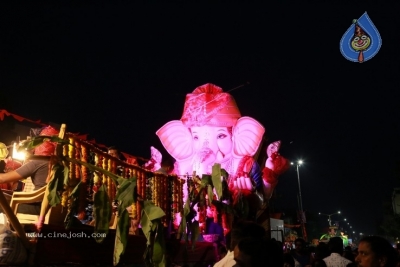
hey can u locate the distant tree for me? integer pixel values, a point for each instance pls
(390, 225)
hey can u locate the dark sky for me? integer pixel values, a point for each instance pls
(120, 71)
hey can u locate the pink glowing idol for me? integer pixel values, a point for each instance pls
(211, 131)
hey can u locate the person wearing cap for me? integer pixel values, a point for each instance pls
(335, 246)
(36, 167)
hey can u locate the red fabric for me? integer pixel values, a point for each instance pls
(47, 148)
(49, 131)
(11, 164)
(150, 164)
(208, 104)
(269, 176)
(4, 112)
(281, 164)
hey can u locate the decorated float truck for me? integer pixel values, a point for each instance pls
(215, 176)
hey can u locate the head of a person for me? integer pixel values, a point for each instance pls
(47, 148)
(321, 251)
(300, 244)
(113, 151)
(335, 245)
(375, 251)
(168, 165)
(243, 229)
(251, 252)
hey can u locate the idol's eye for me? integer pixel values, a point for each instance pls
(221, 136)
(195, 137)
(356, 39)
(363, 37)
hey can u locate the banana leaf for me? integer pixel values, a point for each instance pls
(159, 248)
(121, 237)
(38, 140)
(205, 180)
(116, 179)
(125, 196)
(150, 221)
(75, 192)
(182, 225)
(216, 179)
(56, 184)
(102, 212)
(210, 194)
(70, 219)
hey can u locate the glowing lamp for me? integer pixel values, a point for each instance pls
(18, 155)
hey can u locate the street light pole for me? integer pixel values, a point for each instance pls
(303, 227)
(298, 181)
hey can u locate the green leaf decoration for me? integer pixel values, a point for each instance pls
(159, 247)
(216, 179)
(56, 184)
(75, 192)
(102, 211)
(224, 174)
(210, 194)
(195, 232)
(66, 175)
(150, 221)
(152, 211)
(121, 236)
(205, 180)
(126, 193)
(158, 253)
(146, 224)
(186, 208)
(116, 179)
(38, 140)
(58, 140)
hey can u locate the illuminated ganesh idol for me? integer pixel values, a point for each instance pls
(212, 130)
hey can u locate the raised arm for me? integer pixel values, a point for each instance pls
(10, 177)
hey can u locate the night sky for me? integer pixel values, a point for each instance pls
(118, 72)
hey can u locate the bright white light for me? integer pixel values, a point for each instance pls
(300, 162)
(18, 155)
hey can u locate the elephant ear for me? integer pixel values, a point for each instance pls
(176, 139)
(247, 135)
